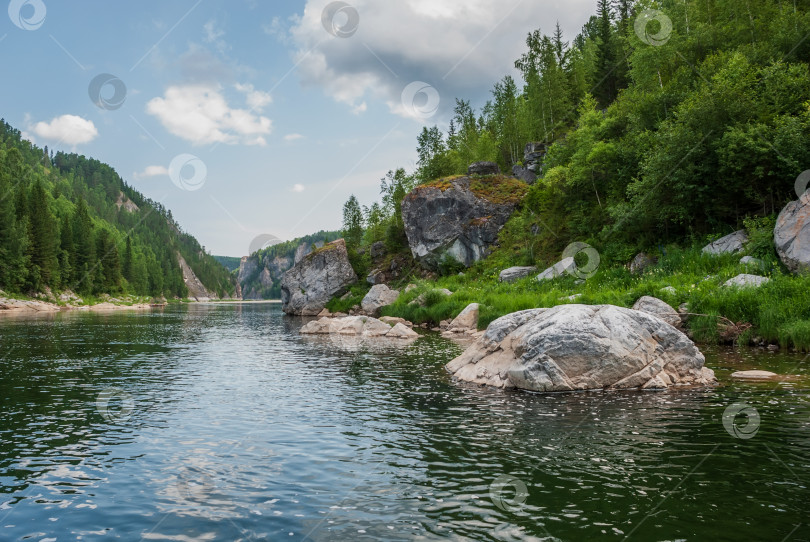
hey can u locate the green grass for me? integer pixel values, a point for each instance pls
(778, 311)
(357, 293)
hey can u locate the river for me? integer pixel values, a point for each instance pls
(221, 422)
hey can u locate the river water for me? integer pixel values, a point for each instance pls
(221, 422)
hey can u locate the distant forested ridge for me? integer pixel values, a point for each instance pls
(68, 222)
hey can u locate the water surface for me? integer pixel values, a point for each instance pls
(221, 422)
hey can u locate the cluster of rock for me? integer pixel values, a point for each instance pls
(582, 347)
(359, 326)
(533, 155)
(319, 276)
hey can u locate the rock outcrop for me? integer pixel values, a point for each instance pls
(483, 168)
(516, 273)
(582, 347)
(378, 297)
(313, 281)
(792, 234)
(459, 217)
(533, 155)
(196, 289)
(656, 307)
(731, 243)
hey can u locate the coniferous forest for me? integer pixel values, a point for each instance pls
(68, 222)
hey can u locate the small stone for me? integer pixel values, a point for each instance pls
(754, 375)
(745, 280)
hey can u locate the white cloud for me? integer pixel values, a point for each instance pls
(68, 129)
(152, 171)
(298, 188)
(201, 114)
(293, 137)
(214, 35)
(256, 99)
(460, 47)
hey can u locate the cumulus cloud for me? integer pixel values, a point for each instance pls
(68, 129)
(460, 47)
(298, 188)
(293, 137)
(256, 99)
(152, 171)
(201, 114)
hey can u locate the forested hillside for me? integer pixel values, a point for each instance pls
(68, 222)
(663, 122)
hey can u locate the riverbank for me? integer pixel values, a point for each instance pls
(691, 282)
(21, 305)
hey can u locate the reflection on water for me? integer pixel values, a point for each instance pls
(220, 422)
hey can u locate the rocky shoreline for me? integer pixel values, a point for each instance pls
(11, 306)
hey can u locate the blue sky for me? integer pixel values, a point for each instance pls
(278, 109)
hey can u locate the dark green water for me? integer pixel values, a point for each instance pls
(222, 423)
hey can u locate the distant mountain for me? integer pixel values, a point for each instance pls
(231, 263)
(259, 274)
(68, 222)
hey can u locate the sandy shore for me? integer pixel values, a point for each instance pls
(19, 306)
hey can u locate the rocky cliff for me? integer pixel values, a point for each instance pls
(459, 217)
(196, 289)
(312, 282)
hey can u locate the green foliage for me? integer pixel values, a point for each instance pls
(61, 228)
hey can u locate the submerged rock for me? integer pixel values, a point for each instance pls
(792, 234)
(729, 244)
(582, 347)
(358, 326)
(312, 282)
(754, 375)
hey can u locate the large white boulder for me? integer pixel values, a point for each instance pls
(558, 269)
(515, 273)
(582, 347)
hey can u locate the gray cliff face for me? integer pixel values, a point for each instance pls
(311, 283)
(266, 271)
(454, 219)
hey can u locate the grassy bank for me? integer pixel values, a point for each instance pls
(778, 312)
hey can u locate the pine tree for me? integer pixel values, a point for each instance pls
(43, 249)
(352, 223)
(126, 266)
(605, 76)
(83, 245)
